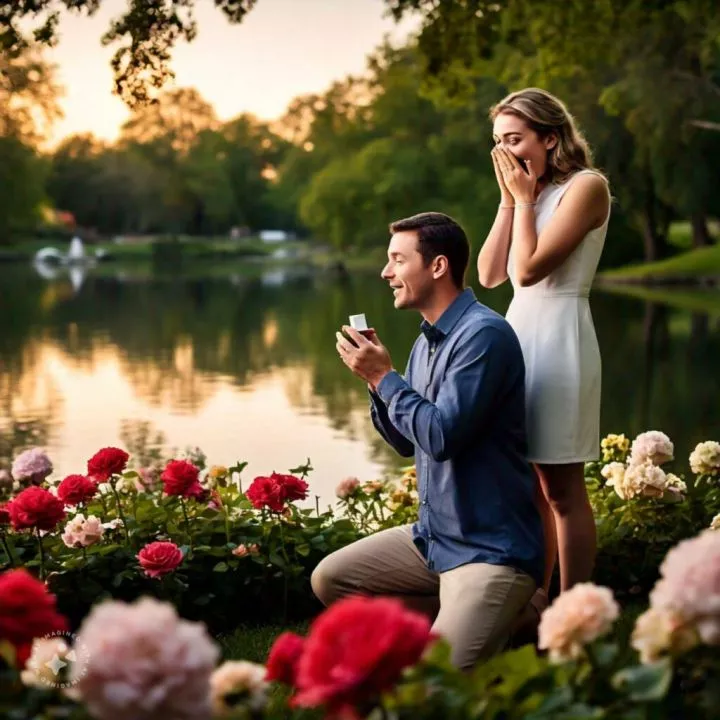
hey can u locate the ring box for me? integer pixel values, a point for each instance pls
(359, 323)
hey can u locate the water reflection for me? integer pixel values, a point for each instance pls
(243, 364)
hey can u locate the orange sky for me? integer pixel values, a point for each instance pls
(283, 48)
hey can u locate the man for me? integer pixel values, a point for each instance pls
(475, 554)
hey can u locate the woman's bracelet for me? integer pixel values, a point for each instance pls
(506, 207)
(525, 205)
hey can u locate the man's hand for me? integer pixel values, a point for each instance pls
(370, 360)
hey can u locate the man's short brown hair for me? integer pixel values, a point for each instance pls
(439, 234)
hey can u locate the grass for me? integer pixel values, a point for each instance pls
(253, 642)
(700, 300)
(690, 265)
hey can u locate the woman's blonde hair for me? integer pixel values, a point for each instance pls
(547, 115)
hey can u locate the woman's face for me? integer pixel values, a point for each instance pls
(513, 134)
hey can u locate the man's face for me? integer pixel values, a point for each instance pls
(406, 273)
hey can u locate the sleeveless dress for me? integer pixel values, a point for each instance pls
(553, 322)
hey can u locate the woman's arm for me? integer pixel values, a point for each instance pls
(584, 207)
(493, 256)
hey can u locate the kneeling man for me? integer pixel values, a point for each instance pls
(475, 555)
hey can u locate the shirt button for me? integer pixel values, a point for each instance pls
(424, 502)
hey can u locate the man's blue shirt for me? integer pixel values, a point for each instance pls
(460, 409)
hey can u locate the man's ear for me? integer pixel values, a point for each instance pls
(440, 267)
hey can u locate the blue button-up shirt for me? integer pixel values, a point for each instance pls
(460, 409)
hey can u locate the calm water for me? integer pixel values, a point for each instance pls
(243, 364)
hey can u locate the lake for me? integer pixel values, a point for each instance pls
(241, 362)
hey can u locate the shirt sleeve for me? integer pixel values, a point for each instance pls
(465, 401)
(383, 424)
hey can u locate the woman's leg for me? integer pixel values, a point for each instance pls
(549, 531)
(564, 488)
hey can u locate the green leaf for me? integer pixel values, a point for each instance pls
(644, 683)
(303, 549)
(305, 469)
(579, 711)
(559, 699)
(221, 567)
(277, 560)
(605, 653)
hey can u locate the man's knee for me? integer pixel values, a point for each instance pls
(326, 580)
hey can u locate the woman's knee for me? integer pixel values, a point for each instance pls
(564, 489)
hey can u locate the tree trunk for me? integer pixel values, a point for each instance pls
(654, 237)
(655, 222)
(700, 233)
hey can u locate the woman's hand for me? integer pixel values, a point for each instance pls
(506, 197)
(520, 184)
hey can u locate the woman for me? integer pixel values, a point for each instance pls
(547, 237)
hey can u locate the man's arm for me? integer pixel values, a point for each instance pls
(464, 403)
(383, 424)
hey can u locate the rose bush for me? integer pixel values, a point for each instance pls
(224, 554)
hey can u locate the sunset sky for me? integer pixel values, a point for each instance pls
(283, 48)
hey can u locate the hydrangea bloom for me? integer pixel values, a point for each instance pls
(652, 446)
(577, 617)
(238, 683)
(31, 466)
(705, 458)
(659, 632)
(82, 531)
(145, 663)
(690, 584)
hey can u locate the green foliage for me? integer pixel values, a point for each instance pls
(22, 176)
(147, 31)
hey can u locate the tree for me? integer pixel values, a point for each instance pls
(28, 107)
(145, 33)
(607, 59)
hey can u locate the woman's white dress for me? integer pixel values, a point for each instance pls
(553, 322)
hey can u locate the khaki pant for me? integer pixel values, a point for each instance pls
(473, 606)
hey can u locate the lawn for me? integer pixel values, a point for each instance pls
(253, 642)
(690, 265)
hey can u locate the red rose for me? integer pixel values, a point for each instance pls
(160, 558)
(75, 489)
(293, 487)
(35, 507)
(356, 650)
(284, 657)
(4, 514)
(27, 611)
(180, 477)
(106, 462)
(274, 491)
(265, 492)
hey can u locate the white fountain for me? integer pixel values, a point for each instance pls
(49, 261)
(75, 255)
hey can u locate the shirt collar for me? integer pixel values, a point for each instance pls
(447, 321)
